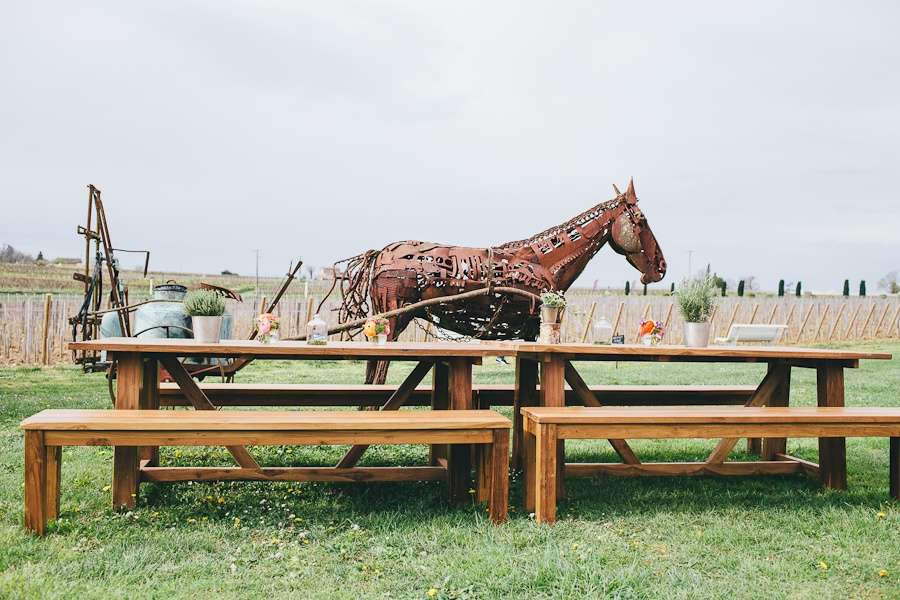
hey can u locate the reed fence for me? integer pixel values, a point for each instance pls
(34, 330)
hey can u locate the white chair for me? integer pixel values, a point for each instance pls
(752, 333)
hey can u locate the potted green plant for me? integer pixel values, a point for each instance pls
(205, 308)
(696, 300)
(552, 304)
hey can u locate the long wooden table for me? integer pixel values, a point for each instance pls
(138, 362)
(554, 365)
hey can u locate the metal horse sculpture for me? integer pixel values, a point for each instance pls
(405, 273)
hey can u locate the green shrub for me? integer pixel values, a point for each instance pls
(203, 303)
(696, 299)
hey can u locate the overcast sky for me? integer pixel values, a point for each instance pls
(763, 137)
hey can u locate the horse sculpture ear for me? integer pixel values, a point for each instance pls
(629, 193)
(618, 193)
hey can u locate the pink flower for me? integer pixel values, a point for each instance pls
(264, 326)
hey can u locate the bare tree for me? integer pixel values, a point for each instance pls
(890, 283)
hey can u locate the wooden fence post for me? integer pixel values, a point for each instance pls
(862, 333)
(821, 321)
(837, 321)
(881, 320)
(45, 346)
(587, 326)
(803, 324)
(618, 316)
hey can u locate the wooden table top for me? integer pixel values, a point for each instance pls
(296, 349)
(574, 351)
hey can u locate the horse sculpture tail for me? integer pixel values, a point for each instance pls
(354, 284)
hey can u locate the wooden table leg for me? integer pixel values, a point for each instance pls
(130, 374)
(499, 476)
(149, 400)
(553, 394)
(525, 395)
(895, 468)
(546, 463)
(459, 464)
(832, 451)
(529, 477)
(440, 400)
(780, 397)
(36, 500)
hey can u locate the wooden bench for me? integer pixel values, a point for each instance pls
(767, 334)
(48, 431)
(545, 427)
(483, 396)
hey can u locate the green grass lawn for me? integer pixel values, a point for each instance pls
(680, 537)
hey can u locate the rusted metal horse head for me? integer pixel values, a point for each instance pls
(405, 273)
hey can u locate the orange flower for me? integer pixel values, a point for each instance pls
(647, 327)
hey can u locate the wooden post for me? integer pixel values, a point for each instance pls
(881, 320)
(753, 314)
(309, 309)
(587, 326)
(619, 314)
(862, 332)
(837, 321)
(821, 322)
(772, 315)
(45, 347)
(852, 321)
(803, 325)
(733, 315)
(890, 328)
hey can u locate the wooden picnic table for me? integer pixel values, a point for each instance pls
(555, 365)
(138, 361)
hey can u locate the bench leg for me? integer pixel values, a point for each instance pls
(459, 465)
(529, 477)
(126, 467)
(52, 488)
(499, 476)
(780, 397)
(36, 501)
(895, 468)
(525, 394)
(545, 471)
(832, 451)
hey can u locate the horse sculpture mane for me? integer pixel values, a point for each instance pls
(409, 272)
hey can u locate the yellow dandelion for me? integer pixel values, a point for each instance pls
(881, 515)
(177, 454)
(432, 592)
(575, 546)
(471, 491)
(134, 495)
(221, 500)
(823, 566)
(106, 488)
(882, 573)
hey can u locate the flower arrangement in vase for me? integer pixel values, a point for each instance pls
(266, 328)
(651, 331)
(377, 329)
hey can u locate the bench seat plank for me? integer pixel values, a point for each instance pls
(47, 431)
(545, 426)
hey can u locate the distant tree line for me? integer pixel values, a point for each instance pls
(9, 255)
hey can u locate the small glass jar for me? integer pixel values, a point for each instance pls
(317, 331)
(603, 332)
